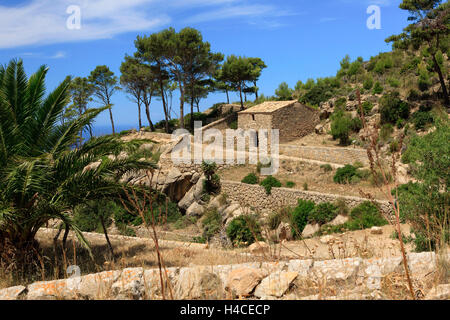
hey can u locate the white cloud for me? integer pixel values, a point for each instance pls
(44, 21)
(239, 11)
(41, 22)
(59, 55)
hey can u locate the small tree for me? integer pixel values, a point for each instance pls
(284, 92)
(104, 85)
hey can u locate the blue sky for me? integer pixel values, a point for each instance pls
(298, 39)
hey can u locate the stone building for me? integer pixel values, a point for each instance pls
(293, 119)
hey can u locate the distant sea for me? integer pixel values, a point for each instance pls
(102, 130)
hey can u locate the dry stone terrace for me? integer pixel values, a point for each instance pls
(353, 278)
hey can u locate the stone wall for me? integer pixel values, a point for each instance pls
(255, 196)
(295, 121)
(221, 124)
(324, 154)
(255, 121)
(350, 279)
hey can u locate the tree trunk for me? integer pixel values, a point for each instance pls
(139, 115)
(161, 86)
(106, 236)
(256, 91)
(442, 81)
(228, 96)
(192, 114)
(181, 104)
(111, 117)
(242, 102)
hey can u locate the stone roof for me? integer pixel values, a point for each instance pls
(269, 106)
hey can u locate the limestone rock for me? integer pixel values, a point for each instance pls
(337, 270)
(302, 267)
(259, 248)
(441, 292)
(187, 200)
(198, 283)
(421, 263)
(195, 210)
(173, 175)
(310, 230)
(340, 219)
(242, 282)
(98, 285)
(284, 232)
(12, 293)
(276, 284)
(327, 239)
(130, 285)
(376, 230)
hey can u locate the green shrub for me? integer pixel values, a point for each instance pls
(244, 230)
(87, 217)
(162, 213)
(251, 178)
(323, 213)
(356, 124)
(211, 185)
(290, 184)
(393, 108)
(326, 167)
(386, 132)
(299, 216)
(378, 88)
(125, 230)
(421, 119)
(345, 174)
(269, 183)
(394, 82)
(212, 223)
(368, 83)
(305, 186)
(367, 107)
(234, 125)
(364, 216)
(259, 166)
(341, 125)
(342, 207)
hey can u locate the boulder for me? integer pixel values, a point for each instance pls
(376, 230)
(195, 210)
(284, 232)
(198, 283)
(173, 175)
(241, 282)
(12, 293)
(319, 129)
(340, 219)
(187, 200)
(259, 248)
(276, 284)
(310, 230)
